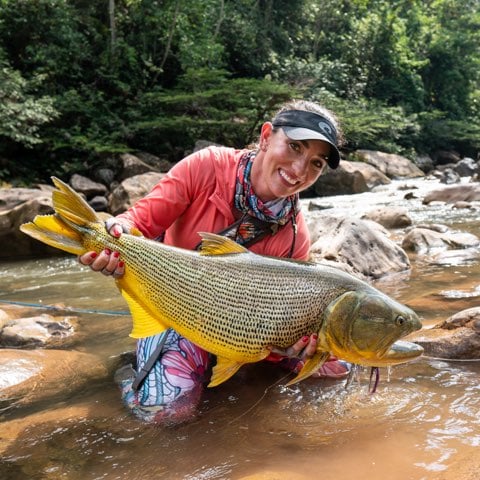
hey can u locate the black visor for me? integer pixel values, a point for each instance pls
(303, 125)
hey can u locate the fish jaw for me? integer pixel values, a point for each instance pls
(363, 327)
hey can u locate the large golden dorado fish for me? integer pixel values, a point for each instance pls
(234, 303)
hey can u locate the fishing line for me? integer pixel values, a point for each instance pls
(260, 399)
(66, 309)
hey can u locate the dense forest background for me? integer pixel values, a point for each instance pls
(83, 80)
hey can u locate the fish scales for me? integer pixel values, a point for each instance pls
(190, 291)
(234, 303)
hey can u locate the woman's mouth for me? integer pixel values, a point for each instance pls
(288, 179)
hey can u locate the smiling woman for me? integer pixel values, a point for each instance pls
(248, 195)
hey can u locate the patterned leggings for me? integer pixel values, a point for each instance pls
(172, 389)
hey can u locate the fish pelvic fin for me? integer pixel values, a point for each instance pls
(223, 370)
(63, 229)
(310, 367)
(144, 323)
(213, 244)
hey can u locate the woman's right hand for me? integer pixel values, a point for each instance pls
(107, 262)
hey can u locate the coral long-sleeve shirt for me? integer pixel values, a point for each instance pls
(197, 195)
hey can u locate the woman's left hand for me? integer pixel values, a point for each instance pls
(303, 349)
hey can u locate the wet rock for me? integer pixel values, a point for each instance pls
(422, 240)
(448, 176)
(40, 331)
(462, 256)
(462, 204)
(391, 165)
(29, 376)
(390, 217)
(465, 193)
(442, 157)
(131, 190)
(348, 178)
(361, 244)
(467, 167)
(17, 206)
(104, 175)
(99, 203)
(424, 163)
(458, 337)
(87, 187)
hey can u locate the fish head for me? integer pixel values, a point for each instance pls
(363, 326)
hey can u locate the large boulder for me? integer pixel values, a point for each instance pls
(458, 337)
(348, 178)
(359, 246)
(466, 193)
(389, 217)
(391, 165)
(17, 206)
(38, 331)
(422, 240)
(131, 190)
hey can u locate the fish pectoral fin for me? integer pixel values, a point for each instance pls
(223, 370)
(213, 244)
(310, 367)
(144, 323)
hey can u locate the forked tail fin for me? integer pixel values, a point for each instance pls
(59, 230)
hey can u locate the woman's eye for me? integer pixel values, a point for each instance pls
(319, 163)
(295, 146)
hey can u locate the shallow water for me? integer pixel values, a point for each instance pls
(423, 422)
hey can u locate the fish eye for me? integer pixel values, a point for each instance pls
(400, 321)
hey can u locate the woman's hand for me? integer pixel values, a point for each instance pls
(303, 349)
(107, 262)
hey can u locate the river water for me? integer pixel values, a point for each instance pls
(423, 422)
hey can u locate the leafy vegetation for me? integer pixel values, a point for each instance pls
(81, 81)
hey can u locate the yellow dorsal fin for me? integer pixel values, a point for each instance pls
(70, 205)
(213, 244)
(144, 323)
(310, 367)
(223, 370)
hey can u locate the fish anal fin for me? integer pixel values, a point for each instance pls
(310, 367)
(144, 323)
(213, 244)
(223, 370)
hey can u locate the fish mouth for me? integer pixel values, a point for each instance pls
(399, 352)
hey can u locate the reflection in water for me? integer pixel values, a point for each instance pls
(423, 422)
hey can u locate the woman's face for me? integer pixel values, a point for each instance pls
(284, 167)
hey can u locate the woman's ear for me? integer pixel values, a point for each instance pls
(265, 134)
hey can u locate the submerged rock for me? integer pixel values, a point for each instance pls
(29, 376)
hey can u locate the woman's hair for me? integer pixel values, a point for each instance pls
(315, 108)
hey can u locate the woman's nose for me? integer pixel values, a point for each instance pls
(299, 167)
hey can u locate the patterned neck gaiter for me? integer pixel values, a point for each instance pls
(257, 219)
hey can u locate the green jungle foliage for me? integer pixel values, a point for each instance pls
(81, 81)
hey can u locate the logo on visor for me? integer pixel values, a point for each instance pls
(325, 127)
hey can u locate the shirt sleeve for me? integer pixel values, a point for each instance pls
(168, 200)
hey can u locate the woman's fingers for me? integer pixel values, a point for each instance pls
(107, 262)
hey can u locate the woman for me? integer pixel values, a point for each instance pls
(250, 196)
